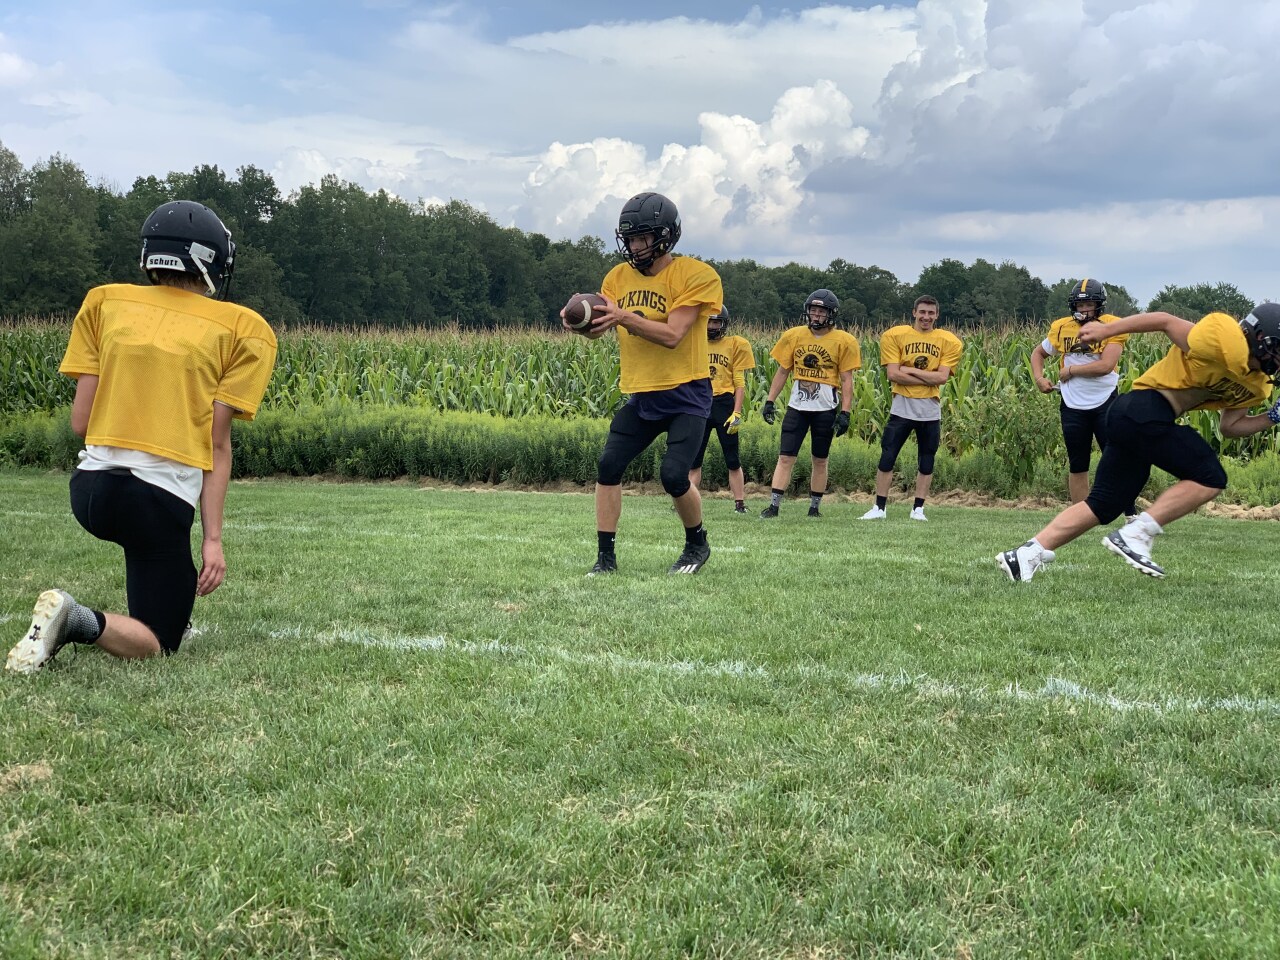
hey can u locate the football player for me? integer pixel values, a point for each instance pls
(821, 361)
(658, 304)
(918, 359)
(730, 357)
(161, 371)
(1216, 363)
(1087, 380)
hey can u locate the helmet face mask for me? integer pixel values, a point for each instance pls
(717, 324)
(821, 298)
(1087, 290)
(187, 237)
(649, 214)
(1262, 330)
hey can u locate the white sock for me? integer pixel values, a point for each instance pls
(1148, 523)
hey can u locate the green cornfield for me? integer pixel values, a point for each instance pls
(990, 404)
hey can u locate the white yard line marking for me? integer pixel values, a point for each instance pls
(1052, 688)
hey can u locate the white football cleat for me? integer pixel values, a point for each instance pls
(917, 513)
(875, 513)
(1134, 547)
(44, 637)
(1021, 564)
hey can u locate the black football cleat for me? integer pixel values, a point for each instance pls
(605, 563)
(692, 559)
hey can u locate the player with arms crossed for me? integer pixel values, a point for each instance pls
(918, 359)
(1087, 380)
(1215, 364)
(822, 360)
(161, 371)
(659, 304)
(729, 358)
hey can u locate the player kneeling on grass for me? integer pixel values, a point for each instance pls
(729, 358)
(821, 359)
(659, 305)
(160, 373)
(1215, 364)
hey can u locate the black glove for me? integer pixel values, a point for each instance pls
(767, 414)
(842, 423)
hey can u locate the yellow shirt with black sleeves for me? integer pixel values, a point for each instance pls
(818, 359)
(729, 358)
(927, 350)
(684, 282)
(163, 356)
(1216, 361)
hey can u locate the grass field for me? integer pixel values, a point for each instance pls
(410, 727)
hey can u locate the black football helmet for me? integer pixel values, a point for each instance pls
(1262, 329)
(189, 238)
(1087, 290)
(821, 298)
(718, 323)
(650, 213)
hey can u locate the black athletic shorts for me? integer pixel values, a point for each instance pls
(1080, 428)
(928, 438)
(797, 423)
(154, 528)
(1141, 434)
(630, 434)
(721, 408)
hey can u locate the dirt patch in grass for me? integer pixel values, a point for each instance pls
(24, 776)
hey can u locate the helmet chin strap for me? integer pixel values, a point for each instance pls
(205, 273)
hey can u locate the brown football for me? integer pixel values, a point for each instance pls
(578, 312)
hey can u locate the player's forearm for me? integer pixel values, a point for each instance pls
(1037, 363)
(739, 397)
(660, 333)
(1246, 426)
(1156, 322)
(775, 385)
(903, 375)
(213, 493)
(1094, 368)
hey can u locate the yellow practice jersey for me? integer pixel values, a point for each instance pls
(1064, 334)
(1217, 364)
(684, 282)
(931, 350)
(729, 358)
(163, 356)
(818, 359)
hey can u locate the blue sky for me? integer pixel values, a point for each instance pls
(1131, 141)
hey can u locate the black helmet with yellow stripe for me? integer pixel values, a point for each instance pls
(1087, 290)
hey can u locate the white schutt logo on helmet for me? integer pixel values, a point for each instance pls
(163, 261)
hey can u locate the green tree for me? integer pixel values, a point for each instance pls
(15, 198)
(750, 293)
(1194, 302)
(564, 268)
(885, 301)
(50, 250)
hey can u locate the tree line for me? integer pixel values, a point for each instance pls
(334, 255)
